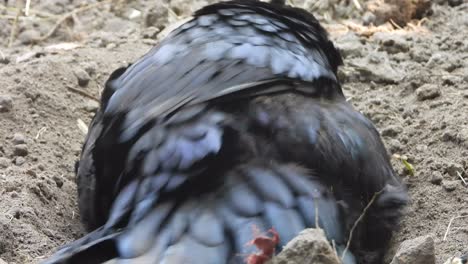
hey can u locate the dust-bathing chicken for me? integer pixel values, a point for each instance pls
(235, 121)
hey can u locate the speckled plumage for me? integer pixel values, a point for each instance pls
(237, 118)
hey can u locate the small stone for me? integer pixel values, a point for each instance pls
(454, 169)
(450, 186)
(91, 106)
(82, 76)
(18, 139)
(427, 92)
(111, 46)
(20, 161)
(4, 162)
(6, 103)
(437, 178)
(20, 150)
(392, 131)
(419, 250)
(2, 261)
(310, 244)
(29, 36)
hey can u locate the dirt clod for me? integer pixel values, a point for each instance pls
(427, 92)
(20, 150)
(437, 178)
(450, 186)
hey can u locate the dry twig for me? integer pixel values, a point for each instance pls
(83, 93)
(450, 224)
(14, 26)
(70, 14)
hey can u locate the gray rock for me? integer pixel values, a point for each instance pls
(19, 138)
(4, 162)
(29, 36)
(427, 92)
(91, 106)
(437, 178)
(419, 250)
(20, 161)
(6, 103)
(450, 186)
(310, 244)
(82, 76)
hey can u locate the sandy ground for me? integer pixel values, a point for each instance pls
(412, 82)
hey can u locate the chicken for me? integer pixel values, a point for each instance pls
(235, 120)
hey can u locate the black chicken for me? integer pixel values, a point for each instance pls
(236, 119)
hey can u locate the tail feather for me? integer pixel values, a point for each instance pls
(216, 226)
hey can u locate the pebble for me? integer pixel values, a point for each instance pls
(427, 92)
(20, 161)
(4, 162)
(29, 36)
(310, 244)
(6, 103)
(82, 76)
(419, 250)
(437, 178)
(2, 261)
(18, 139)
(450, 186)
(91, 106)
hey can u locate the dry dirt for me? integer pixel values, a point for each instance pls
(412, 82)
